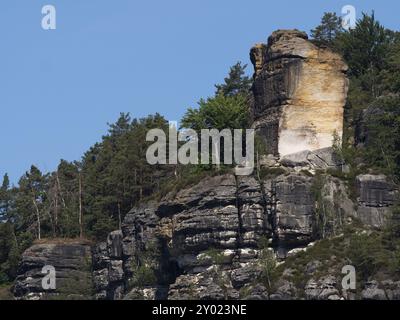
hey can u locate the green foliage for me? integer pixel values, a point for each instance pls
(383, 135)
(372, 110)
(236, 82)
(116, 175)
(323, 211)
(146, 267)
(220, 112)
(328, 217)
(143, 276)
(113, 175)
(268, 264)
(5, 199)
(228, 109)
(217, 256)
(5, 292)
(9, 253)
(367, 251)
(365, 46)
(328, 30)
(337, 148)
(76, 287)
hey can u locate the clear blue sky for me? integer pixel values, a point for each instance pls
(58, 89)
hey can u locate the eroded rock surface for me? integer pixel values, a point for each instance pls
(376, 197)
(209, 241)
(299, 93)
(216, 238)
(72, 263)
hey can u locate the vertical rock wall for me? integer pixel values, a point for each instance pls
(299, 93)
(72, 261)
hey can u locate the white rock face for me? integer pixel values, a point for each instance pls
(299, 93)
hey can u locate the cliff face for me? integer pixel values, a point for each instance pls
(72, 262)
(205, 241)
(208, 242)
(299, 93)
(217, 239)
(209, 234)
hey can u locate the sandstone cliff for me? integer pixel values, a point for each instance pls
(299, 93)
(218, 238)
(204, 242)
(208, 242)
(72, 261)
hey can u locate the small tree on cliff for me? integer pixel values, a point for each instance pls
(31, 201)
(327, 31)
(366, 47)
(236, 83)
(227, 109)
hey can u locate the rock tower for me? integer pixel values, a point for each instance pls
(299, 93)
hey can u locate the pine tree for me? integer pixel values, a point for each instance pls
(31, 202)
(6, 245)
(366, 46)
(5, 199)
(220, 112)
(116, 175)
(328, 30)
(64, 200)
(236, 82)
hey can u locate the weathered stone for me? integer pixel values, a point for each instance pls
(321, 159)
(148, 293)
(115, 272)
(72, 263)
(373, 292)
(294, 210)
(299, 93)
(286, 291)
(376, 197)
(114, 244)
(323, 289)
(101, 257)
(313, 266)
(208, 240)
(257, 292)
(244, 275)
(100, 279)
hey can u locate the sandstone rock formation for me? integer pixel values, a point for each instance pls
(72, 262)
(376, 196)
(213, 239)
(205, 242)
(299, 93)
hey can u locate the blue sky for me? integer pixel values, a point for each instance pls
(59, 88)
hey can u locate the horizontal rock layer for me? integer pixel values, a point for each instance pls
(72, 262)
(299, 93)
